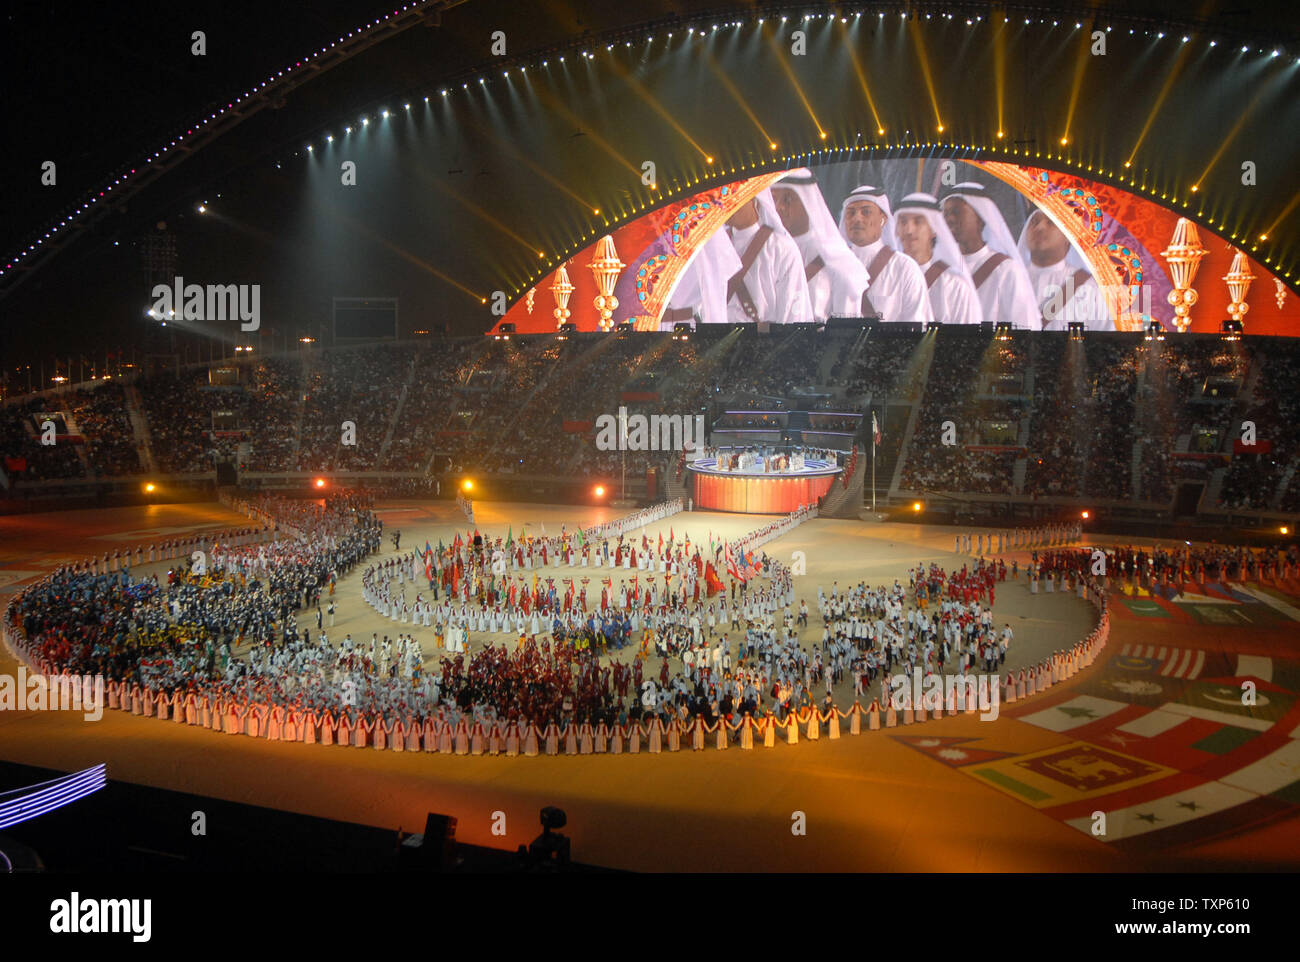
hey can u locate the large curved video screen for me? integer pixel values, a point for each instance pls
(914, 241)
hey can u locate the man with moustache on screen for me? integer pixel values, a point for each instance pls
(897, 287)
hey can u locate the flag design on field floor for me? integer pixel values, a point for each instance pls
(951, 750)
(1167, 662)
(1078, 711)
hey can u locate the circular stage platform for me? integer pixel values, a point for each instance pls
(755, 491)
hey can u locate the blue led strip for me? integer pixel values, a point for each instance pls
(47, 796)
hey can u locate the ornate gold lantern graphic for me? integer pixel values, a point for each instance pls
(1184, 255)
(1238, 278)
(561, 288)
(528, 299)
(606, 267)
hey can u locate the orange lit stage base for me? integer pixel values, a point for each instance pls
(759, 492)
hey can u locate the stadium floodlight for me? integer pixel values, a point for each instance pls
(1076, 330)
(503, 332)
(1155, 331)
(682, 331)
(1002, 330)
(1232, 330)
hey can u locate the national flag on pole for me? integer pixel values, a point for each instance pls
(510, 538)
(875, 429)
(732, 568)
(712, 582)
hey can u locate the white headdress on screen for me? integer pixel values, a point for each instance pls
(830, 242)
(996, 233)
(876, 195)
(1072, 256)
(945, 245)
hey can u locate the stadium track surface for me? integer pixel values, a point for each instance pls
(885, 801)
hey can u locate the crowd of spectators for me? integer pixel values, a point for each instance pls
(1252, 479)
(945, 453)
(102, 419)
(20, 434)
(1109, 418)
(878, 367)
(1178, 401)
(1080, 439)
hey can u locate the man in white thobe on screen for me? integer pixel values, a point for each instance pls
(770, 286)
(991, 256)
(1060, 279)
(701, 290)
(919, 231)
(836, 279)
(897, 291)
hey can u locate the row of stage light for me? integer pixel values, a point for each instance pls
(177, 142)
(681, 186)
(1229, 330)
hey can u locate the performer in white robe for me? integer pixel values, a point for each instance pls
(919, 231)
(1060, 279)
(773, 288)
(836, 279)
(999, 275)
(701, 289)
(897, 291)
